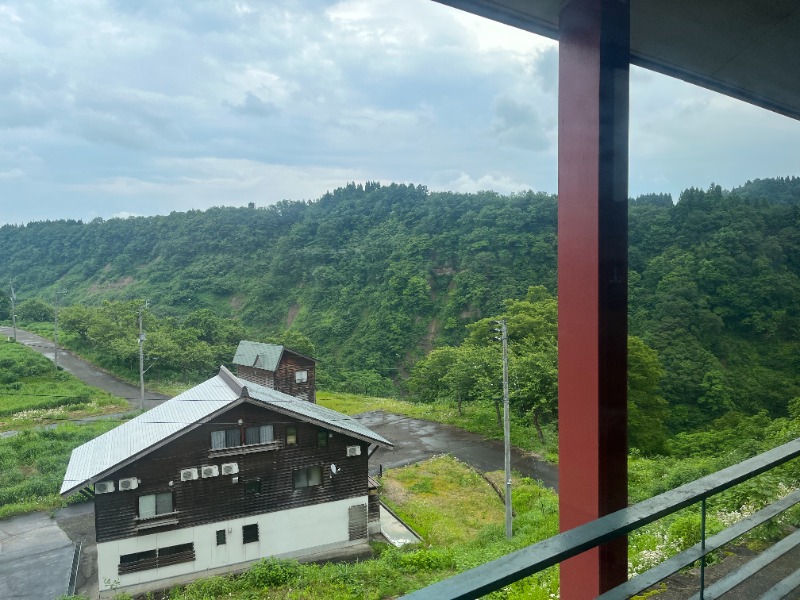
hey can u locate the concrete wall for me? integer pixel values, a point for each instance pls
(292, 532)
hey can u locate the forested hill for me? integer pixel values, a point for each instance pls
(377, 275)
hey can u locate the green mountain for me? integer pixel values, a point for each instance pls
(376, 276)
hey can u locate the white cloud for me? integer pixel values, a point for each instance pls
(148, 107)
(11, 174)
(498, 183)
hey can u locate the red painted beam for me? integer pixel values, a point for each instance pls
(592, 281)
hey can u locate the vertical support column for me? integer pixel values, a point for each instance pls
(592, 281)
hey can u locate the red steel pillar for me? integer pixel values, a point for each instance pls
(594, 53)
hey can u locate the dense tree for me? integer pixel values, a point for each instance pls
(35, 310)
(375, 277)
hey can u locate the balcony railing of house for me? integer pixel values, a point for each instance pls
(503, 571)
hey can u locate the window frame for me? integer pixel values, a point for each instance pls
(291, 435)
(156, 513)
(247, 533)
(322, 438)
(301, 478)
(236, 437)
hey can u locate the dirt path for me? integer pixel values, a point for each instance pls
(86, 371)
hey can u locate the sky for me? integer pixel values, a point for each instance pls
(113, 108)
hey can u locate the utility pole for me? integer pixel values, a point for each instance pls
(141, 359)
(506, 430)
(55, 331)
(506, 427)
(14, 312)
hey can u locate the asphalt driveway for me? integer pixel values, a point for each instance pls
(416, 440)
(35, 558)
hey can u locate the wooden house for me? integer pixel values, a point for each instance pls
(220, 476)
(276, 367)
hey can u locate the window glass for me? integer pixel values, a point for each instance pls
(300, 478)
(301, 376)
(136, 557)
(155, 504)
(252, 486)
(170, 550)
(232, 438)
(250, 533)
(147, 506)
(252, 435)
(267, 434)
(322, 439)
(164, 503)
(221, 537)
(291, 436)
(314, 476)
(217, 440)
(311, 476)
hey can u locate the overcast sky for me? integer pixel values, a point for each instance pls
(115, 108)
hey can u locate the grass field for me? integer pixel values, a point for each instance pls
(433, 497)
(42, 405)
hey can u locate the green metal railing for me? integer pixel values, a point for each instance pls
(522, 563)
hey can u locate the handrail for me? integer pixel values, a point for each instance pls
(503, 571)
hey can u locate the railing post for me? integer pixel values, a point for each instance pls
(703, 547)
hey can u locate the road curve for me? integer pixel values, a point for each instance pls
(86, 371)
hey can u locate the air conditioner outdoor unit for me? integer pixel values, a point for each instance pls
(210, 471)
(230, 468)
(188, 474)
(129, 483)
(103, 487)
(354, 451)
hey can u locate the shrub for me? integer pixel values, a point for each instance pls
(272, 572)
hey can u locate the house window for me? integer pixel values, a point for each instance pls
(322, 439)
(259, 435)
(308, 477)
(232, 438)
(154, 505)
(137, 557)
(301, 376)
(291, 436)
(252, 486)
(153, 559)
(174, 550)
(250, 533)
(221, 537)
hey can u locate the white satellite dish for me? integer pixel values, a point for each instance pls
(335, 469)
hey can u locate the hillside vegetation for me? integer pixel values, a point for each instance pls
(374, 277)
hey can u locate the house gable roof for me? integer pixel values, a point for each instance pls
(98, 458)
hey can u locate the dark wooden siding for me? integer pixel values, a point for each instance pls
(256, 375)
(283, 378)
(217, 498)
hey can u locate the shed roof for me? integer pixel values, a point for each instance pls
(257, 354)
(133, 439)
(746, 49)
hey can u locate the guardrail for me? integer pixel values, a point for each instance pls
(503, 571)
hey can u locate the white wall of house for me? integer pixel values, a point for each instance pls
(293, 532)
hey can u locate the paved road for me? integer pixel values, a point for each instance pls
(35, 558)
(86, 371)
(415, 440)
